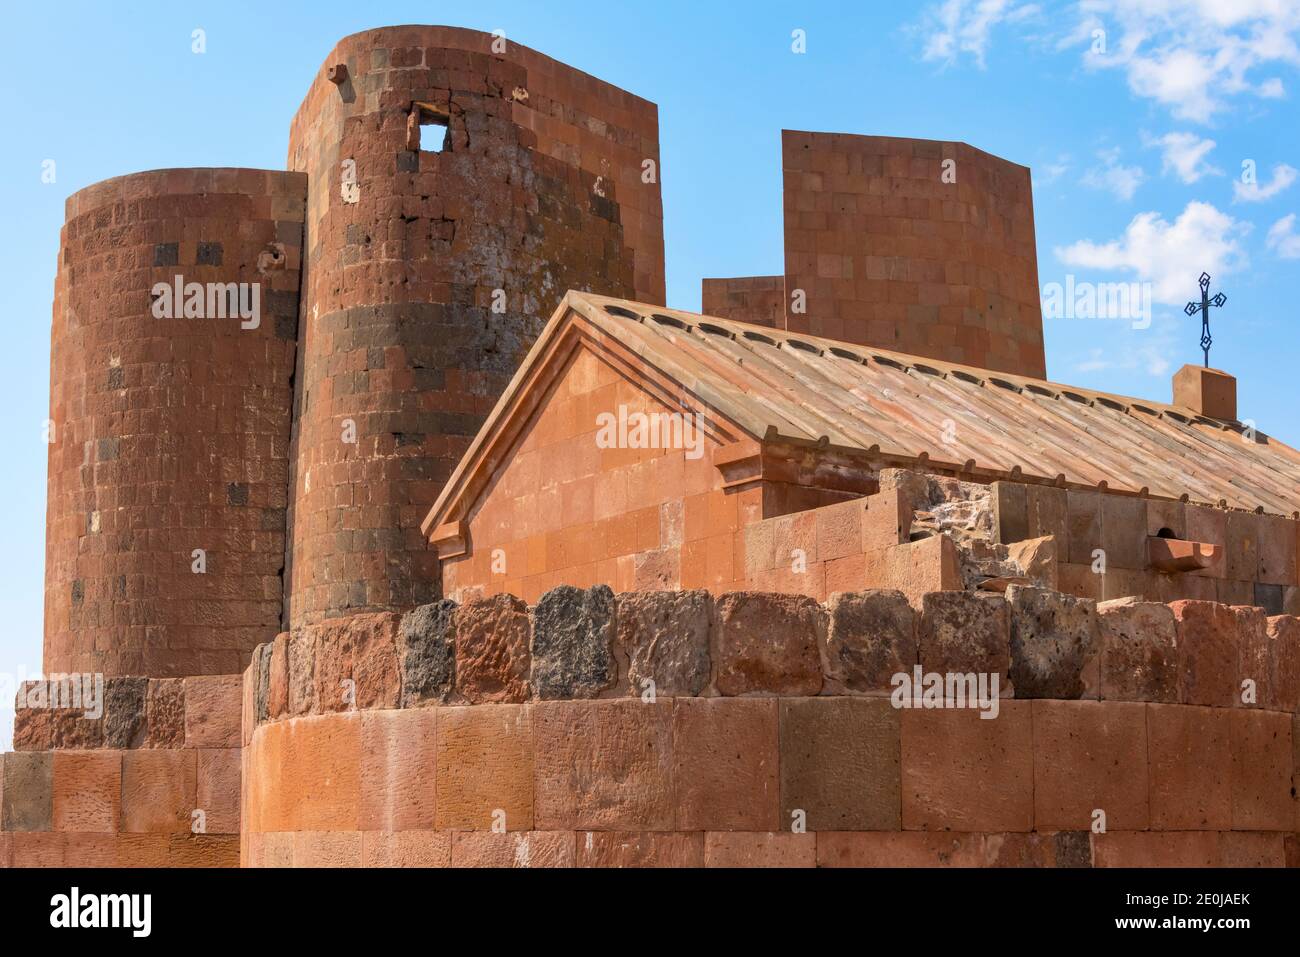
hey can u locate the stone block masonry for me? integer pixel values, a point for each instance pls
(429, 278)
(775, 770)
(169, 437)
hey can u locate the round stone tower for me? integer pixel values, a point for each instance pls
(458, 185)
(172, 357)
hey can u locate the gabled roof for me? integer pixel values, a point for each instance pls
(780, 387)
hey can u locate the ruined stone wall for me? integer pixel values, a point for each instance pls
(152, 780)
(888, 254)
(494, 733)
(429, 274)
(169, 434)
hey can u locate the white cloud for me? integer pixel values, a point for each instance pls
(1113, 176)
(1184, 154)
(1170, 256)
(1283, 239)
(957, 27)
(1283, 176)
(1193, 56)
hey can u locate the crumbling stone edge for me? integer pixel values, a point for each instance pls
(590, 643)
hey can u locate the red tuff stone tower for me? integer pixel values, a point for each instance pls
(458, 185)
(170, 434)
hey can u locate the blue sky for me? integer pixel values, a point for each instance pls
(1136, 134)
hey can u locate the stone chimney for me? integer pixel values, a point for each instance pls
(1210, 392)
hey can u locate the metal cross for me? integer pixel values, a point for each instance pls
(1203, 307)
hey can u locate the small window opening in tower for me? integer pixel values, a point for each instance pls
(435, 130)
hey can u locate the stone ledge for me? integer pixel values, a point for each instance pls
(136, 713)
(583, 644)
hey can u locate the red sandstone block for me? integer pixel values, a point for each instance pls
(604, 765)
(898, 849)
(767, 643)
(1262, 767)
(966, 773)
(839, 530)
(203, 850)
(1276, 549)
(639, 849)
(158, 791)
(485, 763)
(1251, 849)
(277, 695)
(1207, 653)
(143, 850)
(305, 774)
(218, 789)
(759, 849)
(356, 662)
(1090, 756)
(213, 708)
(1189, 755)
(1284, 664)
(1048, 849)
(725, 764)
(39, 849)
(1156, 849)
(87, 790)
(327, 849)
(398, 761)
(91, 850)
(406, 848)
(840, 763)
(512, 849)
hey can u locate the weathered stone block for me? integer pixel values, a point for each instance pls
(767, 644)
(1055, 644)
(725, 764)
(28, 792)
(1090, 756)
(573, 632)
(665, 635)
(485, 760)
(1284, 655)
(640, 849)
(759, 849)
(840, 763)
(302, 672)
(870, 637)
(1207, 653)
(1262, 767)
(1139, 651)
(1189, 753)
(406, 848)
(158, 791)
(512, 849)
(212, 710)
(427, 652)
(277, 695)
(604, 765)
(491, 645)
(963, 632)
(86, 788)
(125, 711)
(398, 762)
(962, 772)
(164, 710)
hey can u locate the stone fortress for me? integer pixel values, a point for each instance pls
(365, 582)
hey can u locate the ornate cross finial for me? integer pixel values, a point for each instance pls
(1203, 307)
